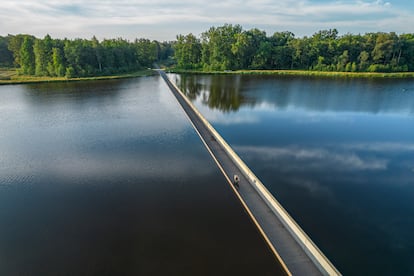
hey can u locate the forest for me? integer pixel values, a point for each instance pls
(79, 57)
(229, 47)
(226, 47)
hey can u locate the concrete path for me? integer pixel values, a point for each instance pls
(295, 253)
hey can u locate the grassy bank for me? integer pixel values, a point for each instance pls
(303, 73)
(10, 76)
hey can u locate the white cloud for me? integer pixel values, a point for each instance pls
(82, 18)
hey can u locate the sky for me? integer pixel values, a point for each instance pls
(163, 20)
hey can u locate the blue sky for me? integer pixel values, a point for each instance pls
(163, 20)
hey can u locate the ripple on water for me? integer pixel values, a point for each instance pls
(14, 180)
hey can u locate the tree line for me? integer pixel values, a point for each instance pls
(226, 47)
(79, 57)
(229, 47)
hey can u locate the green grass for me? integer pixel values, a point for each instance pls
(7, 74)
(303, 73)
(10, 76)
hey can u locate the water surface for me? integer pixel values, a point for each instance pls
(109, 178)
(337, 153)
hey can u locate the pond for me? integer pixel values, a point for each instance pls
(337, 153)
(109, 178)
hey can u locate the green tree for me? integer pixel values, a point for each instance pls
(98, 52)
(263, 55)
(343, 61)
(363, 60)
(217, 45)
(72, 52)
(6, 56)
(324, 44)
(301, 53)
(187, 51)
(250, 49)
(354, 67)
(320, 66)
(166, 50)
(26, 56)
(407, 51)
(281, 51)
(351, 43)
(15, 45)
(58, 66)
(146, 51)
(41, 57)
(385, 48)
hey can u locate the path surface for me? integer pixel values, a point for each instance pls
(290, 253)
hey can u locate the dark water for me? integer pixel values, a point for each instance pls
(337, 153)
(108, 178)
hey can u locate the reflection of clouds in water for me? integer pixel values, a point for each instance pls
(147, 165)
(312, 186)
(264, 106)
(156, 111)
(300, 159)
(234, 120)
(315, 117)
(216, 116)
(144, 165)
(380, 147)
(362, 96)
(89, 135)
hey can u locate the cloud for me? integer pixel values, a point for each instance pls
(80, 18)
(315, 159)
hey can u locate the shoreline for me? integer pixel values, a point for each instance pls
(306, 73)
(15, 79)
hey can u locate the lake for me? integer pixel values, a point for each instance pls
(109, 178)
(337, 153)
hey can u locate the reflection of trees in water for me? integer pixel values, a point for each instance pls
(78, 92)
(224, 95)
(189, 86)
(219, 92)
(229, 92)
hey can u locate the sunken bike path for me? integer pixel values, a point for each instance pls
(291, 246)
